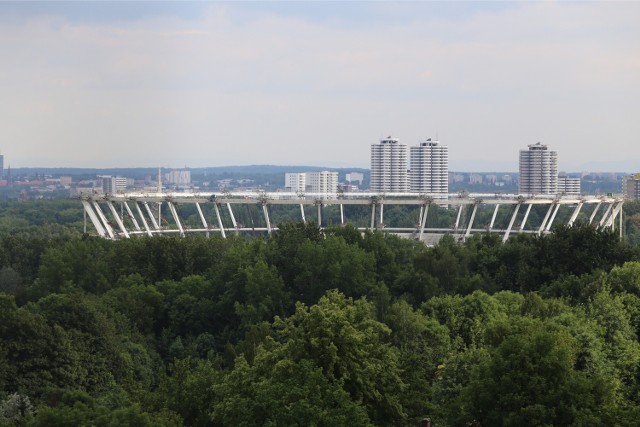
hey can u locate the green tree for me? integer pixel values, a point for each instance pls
(423, 345)
(279, 391)
(341, 337)
(530, 378)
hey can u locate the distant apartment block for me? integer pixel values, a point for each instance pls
(178, 177)
(475, 178)
(631, 187)
(296, 182)
(389, 164)
(456, 177)
(322, 182)
(568, 185)
(354, 177)
(429, 167)
(538, 170)
(311, 182)
(113, 184)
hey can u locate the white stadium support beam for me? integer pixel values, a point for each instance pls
(92, 208)
(612, 219)
(94, 219)
(524, 220)
(233, 217)
(220, 225)
(373, 215)
(606, 215)
(595, 211)
(553, 217)
(473, 216)
(458, 218)
(424, 220)
(153, 219)
(513, 219)
(103, 218)
(144, 221)
(118, 220)
(575, 214)
(545, 219)
(204, 221)
(131, 216)
(493, 218)
(266, 217)
(176, 218)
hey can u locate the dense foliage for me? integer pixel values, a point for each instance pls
(319, 328)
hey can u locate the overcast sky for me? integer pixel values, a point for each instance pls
(213, 83)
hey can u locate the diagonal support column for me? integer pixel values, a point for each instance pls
(103, 218)
(117, 218)
(341, 214)
(204, 221)
(526, 216)
(473, 216)
(575, 214)
(144, 221)
(458, 218)
(595, 211)
(94, 219)
(606, 214)
(513, 219)
(381, 215)
(304, 219)
(553, 217)
(220, 225)
(132, 216)
(424, 221)
(611, 221)
(373, 215)
(153, 218)
(493, 218)
(233, 218)
(266, 217)
(545, 219)
(176, 218)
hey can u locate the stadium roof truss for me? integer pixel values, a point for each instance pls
(125, 215)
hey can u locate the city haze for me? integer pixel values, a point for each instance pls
(209, 84)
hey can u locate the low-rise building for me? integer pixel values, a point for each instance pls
(568, 185)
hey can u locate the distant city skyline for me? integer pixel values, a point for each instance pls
(174, 84)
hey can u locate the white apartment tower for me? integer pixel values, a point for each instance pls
(389, 166)
(114, 184)
(178, 177)
(538, 170)
(429, 168)
(322, 182)
(311, 182)
(296, 182)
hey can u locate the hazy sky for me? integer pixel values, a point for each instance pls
(213, 83)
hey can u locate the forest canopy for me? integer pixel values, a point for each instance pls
(313, 327)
